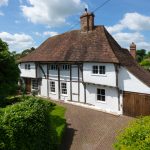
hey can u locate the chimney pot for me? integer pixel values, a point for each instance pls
(87, 21)
(133, 50)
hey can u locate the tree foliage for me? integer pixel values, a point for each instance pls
(26, 126)
(136, 136)
(23, 53)
(9, 71)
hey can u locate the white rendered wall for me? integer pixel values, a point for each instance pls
(111, 99)
(28, 73)
(44, 88)
(107, 79)
(128, 82)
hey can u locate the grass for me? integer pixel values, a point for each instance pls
(58, 121)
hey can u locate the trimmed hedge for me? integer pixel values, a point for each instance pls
(136, 136)
(26, 126)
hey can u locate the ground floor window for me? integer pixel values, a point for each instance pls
(34, 84)
(101, 94)
(63, 88)
(52, 86)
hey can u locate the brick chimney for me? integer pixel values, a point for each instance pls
(133, 50)
(87, 21)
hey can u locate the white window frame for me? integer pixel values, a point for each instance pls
(102, 96)
(27, 67)
(53, 67)
(52, 87)
(64, 88)
(65, 67)
(99, 70)
(35, 84)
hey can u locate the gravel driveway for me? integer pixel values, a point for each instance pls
(90, 129)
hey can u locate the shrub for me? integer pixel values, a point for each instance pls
(136, 136)
(26, 126)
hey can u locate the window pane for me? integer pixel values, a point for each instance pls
(95, 69)
(103, 98)
(53, 67)
(28, 66)
(101, 94)
(63, 88)
(52, 86)
(101, 69)
(35, 84)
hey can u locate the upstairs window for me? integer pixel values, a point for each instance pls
(98, 69)
(101, 95)
(101, 69)
(65, 67)
(64, 88)
(27, 66)
(53, 67)
(52, 86)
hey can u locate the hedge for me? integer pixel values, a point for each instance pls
(26, 126)
(136, 136)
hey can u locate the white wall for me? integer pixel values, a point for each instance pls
(111, 102)
(128, 82)
(108, 79)
(44, 88)
(28, 73)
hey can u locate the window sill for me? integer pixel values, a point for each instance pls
(102, 75)
(102, 102)
(54, 93)
(65, 95)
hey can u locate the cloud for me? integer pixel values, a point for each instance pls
(17, 42)
(3, 2)
(51, 12)
(1, 13)
(125, 39)
(132, 21)
(48, 33)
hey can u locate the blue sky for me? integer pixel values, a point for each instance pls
(27, 23)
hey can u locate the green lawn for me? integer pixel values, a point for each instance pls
(58, 121)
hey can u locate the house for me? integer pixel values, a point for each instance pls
(88, 66)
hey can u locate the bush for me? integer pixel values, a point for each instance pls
(26, 126)
(136, 136)
(9, 101)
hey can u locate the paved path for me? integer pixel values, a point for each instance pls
(90, 129)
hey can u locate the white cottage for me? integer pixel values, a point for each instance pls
(88, 66)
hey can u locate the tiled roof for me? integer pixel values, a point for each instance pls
(93, 46)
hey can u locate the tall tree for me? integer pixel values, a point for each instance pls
(9, 71)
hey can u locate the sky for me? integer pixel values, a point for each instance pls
(28, 23)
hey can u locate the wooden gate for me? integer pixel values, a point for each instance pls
(135, 104)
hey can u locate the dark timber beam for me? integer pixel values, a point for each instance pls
(47, 80)
(59, 81)
(70, 82)
(42, 70)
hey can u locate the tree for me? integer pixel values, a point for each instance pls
(140, 54)
(9, 71)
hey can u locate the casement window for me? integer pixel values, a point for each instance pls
(34, 84)
(53, 67)
(65, 67)
(98, 69)
(101, 94)
(64, 88)
(52, 86)
(27, 66)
